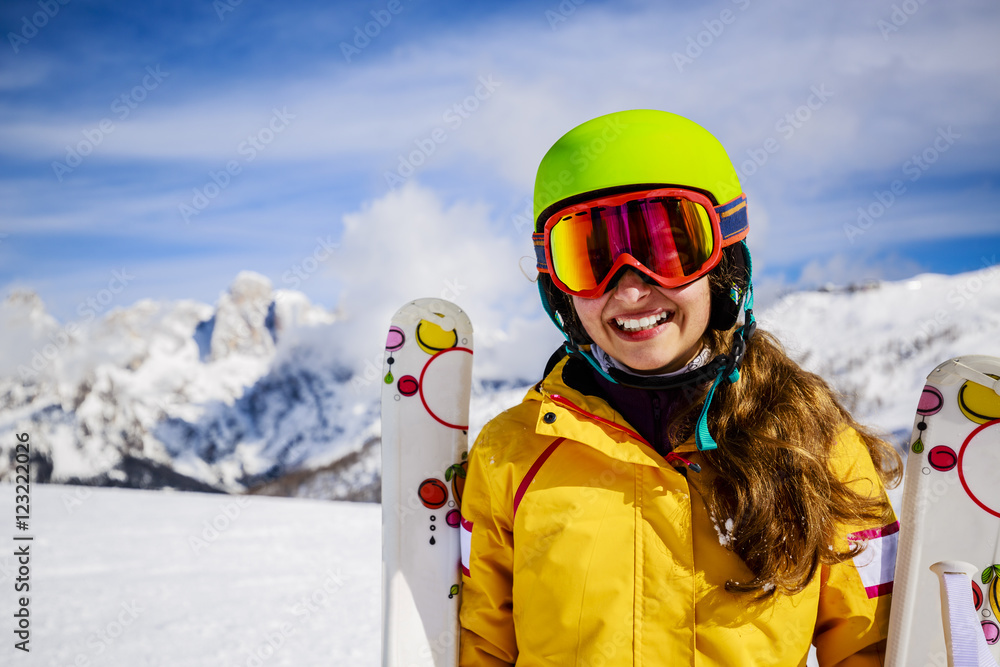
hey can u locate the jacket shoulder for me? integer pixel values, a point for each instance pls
(512, 436)
(514, 428)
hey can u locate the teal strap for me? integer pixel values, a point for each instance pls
(702, 437)
(592, 361)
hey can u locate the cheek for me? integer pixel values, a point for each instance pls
(696, 300)
(589, 311)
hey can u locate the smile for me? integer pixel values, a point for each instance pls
(643, 324)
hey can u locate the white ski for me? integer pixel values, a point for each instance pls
(946, 607)
(427, 378)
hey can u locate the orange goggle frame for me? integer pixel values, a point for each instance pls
(672, 235)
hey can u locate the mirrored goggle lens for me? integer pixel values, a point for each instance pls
(670, 236)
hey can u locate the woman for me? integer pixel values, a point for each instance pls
(676, 490)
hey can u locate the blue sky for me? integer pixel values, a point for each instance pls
(824, 107)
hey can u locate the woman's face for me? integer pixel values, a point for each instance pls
(648, 328)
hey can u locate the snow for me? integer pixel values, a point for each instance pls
(725, 532)
(144, 578)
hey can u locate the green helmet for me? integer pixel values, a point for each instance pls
(630, 149)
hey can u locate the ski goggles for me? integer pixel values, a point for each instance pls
(672, 235)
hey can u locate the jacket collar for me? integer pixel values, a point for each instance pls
(571, 407)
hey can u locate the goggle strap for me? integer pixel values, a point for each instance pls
(733, 223)
(540, 261)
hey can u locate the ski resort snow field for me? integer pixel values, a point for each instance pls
(160, 579)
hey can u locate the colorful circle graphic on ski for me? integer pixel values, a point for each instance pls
(978, 403)
(408, 385)
(942, 458)
(456, 475)
(978, 460)
(433, 493)
(395, 340)
(433, 338)
(931, 401)
(435, 388)
(991, 579)
(991, 631)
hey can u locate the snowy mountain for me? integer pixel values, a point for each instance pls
(256, 394)
(180, 395)
(876, 343)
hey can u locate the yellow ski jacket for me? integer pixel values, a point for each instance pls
(583, 546)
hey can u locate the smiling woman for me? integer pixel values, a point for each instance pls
(619, 514)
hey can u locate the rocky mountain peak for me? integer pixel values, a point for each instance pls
(243, 321)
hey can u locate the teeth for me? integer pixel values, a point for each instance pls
(641, 324)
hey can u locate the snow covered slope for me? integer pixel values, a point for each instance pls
(131, 578)
(255, 393)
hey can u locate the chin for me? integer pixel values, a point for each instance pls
(648, 367)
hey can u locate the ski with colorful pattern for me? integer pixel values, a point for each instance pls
(427, 379)
(948, 564)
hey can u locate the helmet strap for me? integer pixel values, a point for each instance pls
(731, 372)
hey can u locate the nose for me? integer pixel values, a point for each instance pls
(631, 287)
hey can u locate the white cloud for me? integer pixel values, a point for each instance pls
(409, 244)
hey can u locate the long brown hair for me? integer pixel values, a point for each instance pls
(777, 428)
